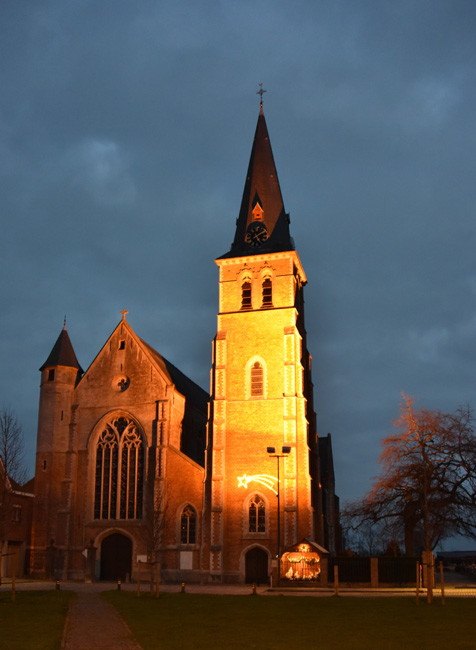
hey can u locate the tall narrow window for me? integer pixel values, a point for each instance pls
(246, 295)
(106, 476)
(188, 526)
(256, 515)
(257, 379)
(131, 475)
(16, 514)
(267, 296)
(119, 472)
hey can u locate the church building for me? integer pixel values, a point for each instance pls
(137, 465)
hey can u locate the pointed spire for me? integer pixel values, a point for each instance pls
(62, 353)
(262, 225)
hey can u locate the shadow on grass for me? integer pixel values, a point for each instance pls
(192, 621)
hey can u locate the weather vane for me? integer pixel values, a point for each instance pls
(261, 92)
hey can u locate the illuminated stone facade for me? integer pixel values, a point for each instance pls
(120, 455)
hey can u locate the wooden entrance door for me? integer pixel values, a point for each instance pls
(116, 557)
(256, 563)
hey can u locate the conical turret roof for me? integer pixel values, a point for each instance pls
(262, 202)
(62, 353)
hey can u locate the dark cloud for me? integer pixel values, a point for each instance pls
(125, 133)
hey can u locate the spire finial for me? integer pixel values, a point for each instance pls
(261, 93)
(64, 324)
(124, 312)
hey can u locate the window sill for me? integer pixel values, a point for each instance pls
(264, 535)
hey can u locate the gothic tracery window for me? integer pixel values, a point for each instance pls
(119, 471)
(188, 526)
(256, 515)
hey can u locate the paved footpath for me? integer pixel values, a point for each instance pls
(93, 624)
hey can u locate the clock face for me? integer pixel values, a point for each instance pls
(256, 234)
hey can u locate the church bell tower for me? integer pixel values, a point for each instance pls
(261, 390)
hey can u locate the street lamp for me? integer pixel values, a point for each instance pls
(272, 454)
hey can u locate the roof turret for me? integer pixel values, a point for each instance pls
(62, 353)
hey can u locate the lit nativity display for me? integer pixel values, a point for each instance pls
(302, 562)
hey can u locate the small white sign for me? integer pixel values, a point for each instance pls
(142, 558)
(186, 560)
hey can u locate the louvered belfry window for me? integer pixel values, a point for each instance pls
(246, 295)
(119, 481)
(267, 296)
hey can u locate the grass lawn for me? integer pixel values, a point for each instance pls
(185, 621)
(34, 621)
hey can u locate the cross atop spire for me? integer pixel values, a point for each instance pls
(124, 312)
(261, 93)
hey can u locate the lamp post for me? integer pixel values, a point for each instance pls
(272, 454)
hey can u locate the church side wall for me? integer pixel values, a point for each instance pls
(184, 486)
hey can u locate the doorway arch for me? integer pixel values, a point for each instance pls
(116, 557)
(256, 566)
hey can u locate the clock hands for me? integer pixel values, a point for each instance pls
(256, 234)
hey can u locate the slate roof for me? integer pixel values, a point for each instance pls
(183, 384)
(62, 353)
(262, 186)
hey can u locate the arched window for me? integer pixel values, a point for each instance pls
(257, 379)
(256, 515)
(267, 293)
(188, 526)
(119, 477)
(246, 295)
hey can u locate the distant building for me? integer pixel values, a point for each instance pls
(457, 558)
(136, 463)
(16, 506)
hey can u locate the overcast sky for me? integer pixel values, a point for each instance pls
(125, 134)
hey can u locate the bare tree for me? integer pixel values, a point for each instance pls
(371, 539)
(12, 469)
(155, 524)
(428, 479)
